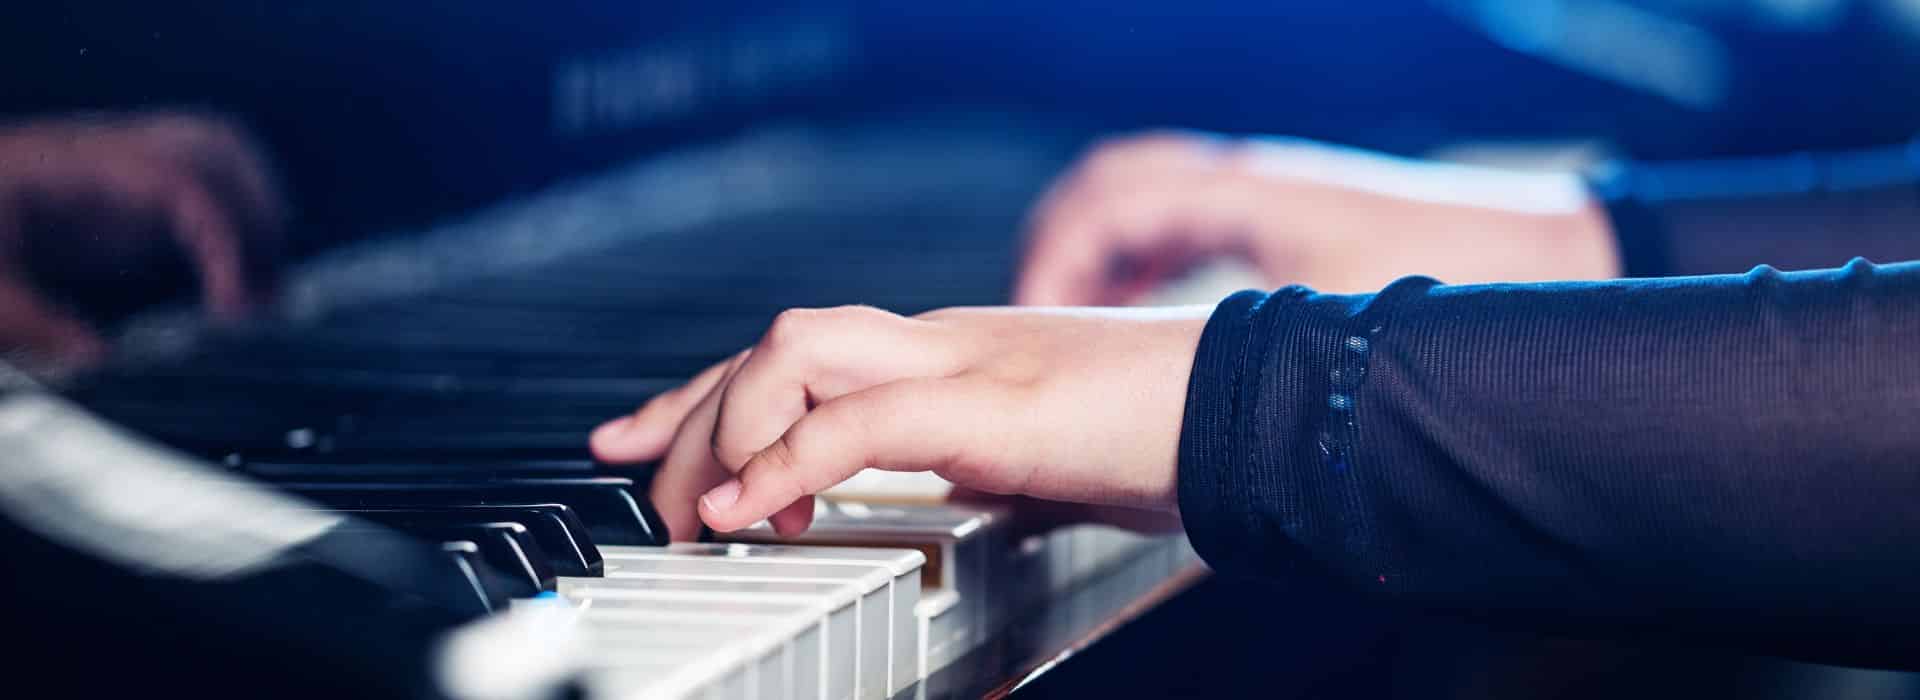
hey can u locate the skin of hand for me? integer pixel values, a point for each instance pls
(1136, 212)
(104, 199)
(1066, 405)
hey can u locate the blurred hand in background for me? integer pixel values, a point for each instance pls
(94, 210)
(1140, 211)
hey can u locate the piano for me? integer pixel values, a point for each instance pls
(417, 412)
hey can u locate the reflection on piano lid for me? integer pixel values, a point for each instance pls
(180, 574)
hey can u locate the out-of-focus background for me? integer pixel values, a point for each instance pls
(384, 116)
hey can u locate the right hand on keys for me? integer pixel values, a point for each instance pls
(1075, 405)
(1137, 212)
(98, 202)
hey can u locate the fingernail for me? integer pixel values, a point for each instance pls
(722, 497)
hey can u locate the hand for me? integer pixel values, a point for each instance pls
(1140, 211)
(96, 206)
(1060, 404)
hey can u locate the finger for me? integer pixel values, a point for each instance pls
(689, 469)
(644, 435)
(793, 519)
(810, 356)
(910, 425)
(206, 230)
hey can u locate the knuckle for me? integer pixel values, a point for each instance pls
(798, 329)
(789, 328)
(863, 315)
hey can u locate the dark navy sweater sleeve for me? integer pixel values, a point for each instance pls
(1734, 457)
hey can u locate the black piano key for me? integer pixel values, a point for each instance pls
(606, 504)
(412, 569)
(446, 460)
(653, 344)
(497, 590)
(285, 466)
(563, 541)
(449, 362)
(469, 437)
(500, 585)
(508, 549)
(379, 381)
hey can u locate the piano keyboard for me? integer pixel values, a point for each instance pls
(456, 414)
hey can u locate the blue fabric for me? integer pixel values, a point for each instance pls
(1734, 456)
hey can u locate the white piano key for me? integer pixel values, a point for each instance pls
(882, 486)
(1025, 572)
(856, 627)
(1060, 560)
(963, 545)
(1087, 551)
(736, 686)
(886, 640)
(624, 594)
(670, 677)
(1184, 554)
(532, 647)
(944, 634)
(837, 618)
(642, 644)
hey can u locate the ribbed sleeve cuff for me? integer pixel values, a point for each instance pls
(1267, 480)
(1215, 504)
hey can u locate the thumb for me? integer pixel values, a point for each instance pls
(908, 425)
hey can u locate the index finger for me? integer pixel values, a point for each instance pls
(909, 425)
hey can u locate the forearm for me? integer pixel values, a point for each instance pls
(1799, 212)
(1735, 450)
